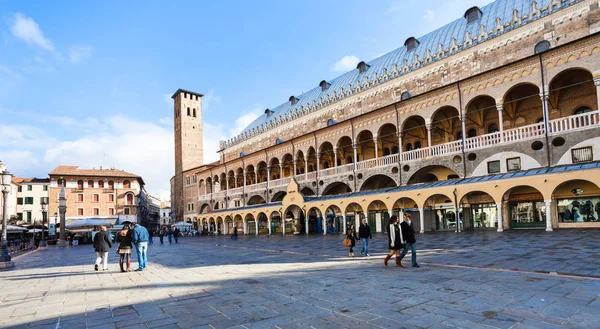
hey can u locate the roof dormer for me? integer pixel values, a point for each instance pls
(411, 43)
(293, 100)
(362, 67)
(473, 14)
(324, 85)
(268, 112)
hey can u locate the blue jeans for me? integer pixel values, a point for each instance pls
(365, 245)
(170, 238)
(141, 248)
(413, 252)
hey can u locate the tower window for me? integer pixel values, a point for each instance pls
(188, 111)
(194, 110)
(362, 67)
(542, 46)
(411, 43)
(473, 14)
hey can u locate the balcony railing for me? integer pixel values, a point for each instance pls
(256, 187)
(204, 197)
(377, 162)
(414, 155)
(237, 190)
(524, 133)
(574, 122)
(279, 182)
(219, 195)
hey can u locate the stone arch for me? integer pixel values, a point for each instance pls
(209, 185)
(278, 196)
(442, 213)
(577, 200)
(345, 150)
(263, 223)
(261, 172)
(414, 133)
(275, 169)
(223, 181)
(287, 161)
(250, 175)
(365, 146)
(307, 191)
(445, 125)
(256, 199)
(240, 177)
(357, 214)
(378, 215)
(478, 209)
(315, 220)
(378, 182)
(387, 140)
(480, 112)
(571, 89)
(294, 220)
(432, 173)
(219, 225)
(228, 225)
(326, 157)
(311, 159)
(300, 163)
(525, 206)
(521, 101)
(230, 179)
(205, 208)
(334, 218)
(336, 188)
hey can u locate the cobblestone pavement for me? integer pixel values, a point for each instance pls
(517, 279)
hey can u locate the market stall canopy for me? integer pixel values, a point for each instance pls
(182, 224)
(88, 223)
(14, 228)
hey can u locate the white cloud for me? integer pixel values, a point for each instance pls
(77, 53)
(345, 64)
(209, 100)
(26, 29)
(429, 15)
(243, 122)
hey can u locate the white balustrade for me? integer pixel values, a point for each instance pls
(574, 122)
(483, 141)
(237, 190)
(219, 195)
(256, 187)
(328, 172)
(414, 155)
(204, 197)
(279, 182)
(378, 162)
(524, 133)
(446, 148)
(312, 175)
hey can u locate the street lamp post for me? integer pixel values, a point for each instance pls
(44, 211)
(62, 210)
(5, 260)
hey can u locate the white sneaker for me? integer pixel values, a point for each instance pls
(368, 255)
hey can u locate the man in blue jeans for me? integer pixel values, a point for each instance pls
(364, 233)
(140, 238)
(408, 232)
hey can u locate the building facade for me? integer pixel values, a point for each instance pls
(11, 203)
(31, 192)
(490, 122)
(108, 194)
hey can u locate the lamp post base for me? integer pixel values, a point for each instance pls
(6, 265)
(61, 243)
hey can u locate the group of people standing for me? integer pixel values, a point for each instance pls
(170, 234)
(137, 236)
(401, 236)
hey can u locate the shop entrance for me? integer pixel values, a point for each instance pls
(526, 208)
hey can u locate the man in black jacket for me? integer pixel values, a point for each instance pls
(408, 232)
(364, 233)
(102, 244)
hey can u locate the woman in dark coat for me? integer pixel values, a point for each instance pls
(351, 234)
(124, 251)
(395, 241)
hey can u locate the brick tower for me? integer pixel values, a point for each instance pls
(189, 153)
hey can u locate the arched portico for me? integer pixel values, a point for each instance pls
(354, 214)
(577, 203)
(525, 207)
(293, 220)
(479, 210)
(378, 215)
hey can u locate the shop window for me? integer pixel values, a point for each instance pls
(513, 164)
(586, 209)
(493, 167)
(583, 154)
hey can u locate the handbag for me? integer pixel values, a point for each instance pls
(347, 242)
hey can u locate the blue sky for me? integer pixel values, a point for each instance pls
(89, 83)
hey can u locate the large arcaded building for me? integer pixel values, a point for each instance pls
(491, 121)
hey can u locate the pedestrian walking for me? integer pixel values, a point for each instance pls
(176, 234)
(102, 244)
(364, 233)
(234, 235)
(395, 241)
(170, 235)
(139, 238)
(351, 235)
(161, 235)
(408, 231)
(150, 236)
(124, 251)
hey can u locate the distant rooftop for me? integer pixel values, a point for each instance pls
(77, 171)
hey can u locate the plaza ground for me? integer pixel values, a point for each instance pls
(515, 279)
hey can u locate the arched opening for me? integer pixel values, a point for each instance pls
(445, 123)
(480, 112)
(334, 219)
(336, 188)
(238, 222)
(479, 211)
(100, 183)
(378, 216)
(294, 220)
(209, 185)
(250, 175)
(263, 224)
(250, 224)
(223, 181)
(276, 224)
(354, 215)
(439, 214)
(288, 165)
(414, 131)
(80, 185)
(212, 225)
(126, 184)
(216, 184)
(522, 106)
(315, 221)
(300, 163)
(430, 174)
(228, 225)
(526, 207)
(129, 199)
(307, 191)
(345, 151)
(278, 197)
(326, 157)
(365, 146)
(404, 205)
(256, 199)
(111, 185)
(577, 201)
(205, 208)
(311, 160)
(261, 172)
(240, 178)
(378, 182)
(387, 139)
(275, 169)
(231, 179)
(570, 90)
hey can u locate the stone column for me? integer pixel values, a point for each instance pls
(463, 126)
(294, 174)
(268, 176)
(400, 149)
(344, 223)
(281, 170)
(62, 210)
(235, 180)
(597, 83)
(255, 176)
(548, 215)
(428, 126)
(269, 226)
(324, 224)
(245, 179)
(318, 162)
(421, 219)
(227, 184)
(500, 217)
(306, 224)
(458, 219)
(354, 147)
(283, 225)
(256, 226)
(375, 141)
(500, 108)
(335, 151)
(544, 97)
